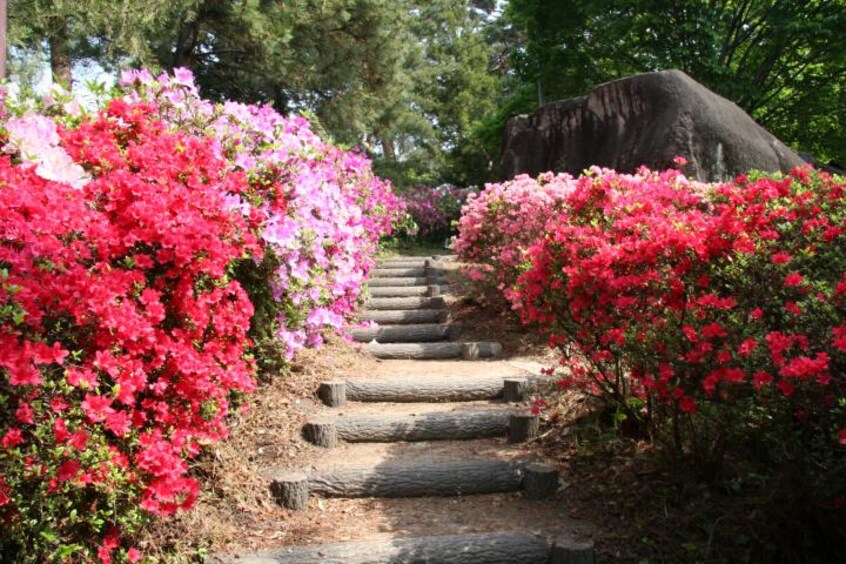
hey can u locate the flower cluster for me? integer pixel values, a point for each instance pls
(320, 210)
(498, 225)
(434, 210)
(144, 250)
(721, 306)
(122, 336)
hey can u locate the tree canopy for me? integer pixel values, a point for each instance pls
(782, 61)
(426, 87)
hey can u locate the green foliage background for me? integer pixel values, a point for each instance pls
(426, 87)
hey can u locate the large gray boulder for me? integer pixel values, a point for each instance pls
(647, 119)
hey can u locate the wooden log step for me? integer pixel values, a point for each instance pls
(415, 333)
(474, 548)
(475, 351)
(406, 272)
(403, 263)
(420, 351)
(566, 550)
(418, 478)
(405, 316)
(414, 262)
(405, 303)
(398, 291)
(446, 426)
(408, 390)
(407, 281)
(430, 351)
(399, 272)
(443, 426)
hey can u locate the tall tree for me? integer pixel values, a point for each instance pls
(110, 32)
(783, 61)
(455, 86)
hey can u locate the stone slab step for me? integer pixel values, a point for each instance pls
(417, 478)
(405, 303)
(408, 281)
(508, 547)
(437, 426)
(412, 333)
(435, 351)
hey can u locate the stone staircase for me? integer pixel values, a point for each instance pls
(428, 435)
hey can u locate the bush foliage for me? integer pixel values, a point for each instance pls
(433, 211)
(709, 315)
(136, 245)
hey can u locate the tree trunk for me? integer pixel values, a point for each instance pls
(183, 53)
(60, 59)
(388, 148)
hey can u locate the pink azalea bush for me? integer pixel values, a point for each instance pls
(433, 211)
(320, 209)
(498, 225)
(138, 247)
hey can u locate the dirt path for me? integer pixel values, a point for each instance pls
(306, 527)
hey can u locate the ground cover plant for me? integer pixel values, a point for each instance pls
(145, 250)
(711, 320)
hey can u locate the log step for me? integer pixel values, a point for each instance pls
(415, 333)
(415, 390)
(399, 272)
(405, 272)
(474, 548)
(448, 426)
(405, 316)
(403, 263)
(417, 478)
(407, 281)
(420, 351)
(410, 390)
(398, 291)
(405, 303)
(429, 351)
(411, 263)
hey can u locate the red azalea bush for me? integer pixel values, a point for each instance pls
(122, 335)
(715, 315)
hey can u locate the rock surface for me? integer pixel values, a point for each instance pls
(647, 119)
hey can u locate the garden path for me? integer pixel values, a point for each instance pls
(437, 442)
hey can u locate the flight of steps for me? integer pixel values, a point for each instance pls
(409, 315)
(435, 436)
